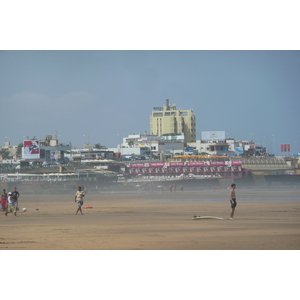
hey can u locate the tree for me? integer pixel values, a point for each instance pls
(5, 154)
(19, 149)
(97, 146)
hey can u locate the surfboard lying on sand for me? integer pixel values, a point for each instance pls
(206, 217)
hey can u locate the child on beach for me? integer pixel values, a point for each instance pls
(79, 198)
(11, 205)
(4, 202)
(232, 200)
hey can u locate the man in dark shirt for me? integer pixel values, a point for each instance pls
(15, 197)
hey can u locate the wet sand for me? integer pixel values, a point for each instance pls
(155, 221)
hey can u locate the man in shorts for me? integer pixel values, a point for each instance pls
(232, 200)
(79, 198)
(11, 205)
(15, 196)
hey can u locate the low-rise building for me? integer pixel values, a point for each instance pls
(146, 144)
(10, 148)
(230, 147)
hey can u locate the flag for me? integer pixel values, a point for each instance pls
(285, 147)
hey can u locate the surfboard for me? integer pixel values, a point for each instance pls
(206, 217)
(87, 206)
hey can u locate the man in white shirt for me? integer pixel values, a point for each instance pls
(11, 205)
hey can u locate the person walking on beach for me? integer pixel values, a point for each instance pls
(4, 202)
(15, 196)
(79, 198)
(232, 200)
(11, 205)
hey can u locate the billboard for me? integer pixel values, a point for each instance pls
(31, 149)
(212, 135)
(54, 155)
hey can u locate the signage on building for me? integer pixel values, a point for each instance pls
(212, 135)
(31, 149)
(55, 155)
(183, 164)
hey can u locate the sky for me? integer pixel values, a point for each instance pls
(100, 95)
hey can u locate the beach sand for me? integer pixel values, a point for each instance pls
(155, 221)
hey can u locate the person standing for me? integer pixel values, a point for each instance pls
(79, 198)
(11, 205)
(232, 200)
(15, 196)
(4, 202)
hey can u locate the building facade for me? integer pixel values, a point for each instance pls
(147, 144)
(229, 147)
(168, 120)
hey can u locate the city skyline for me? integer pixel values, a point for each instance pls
(98, 96)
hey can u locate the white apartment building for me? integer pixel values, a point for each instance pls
(228, 147)
(147, 144)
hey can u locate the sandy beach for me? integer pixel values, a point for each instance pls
(265, 220)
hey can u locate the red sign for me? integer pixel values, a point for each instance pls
(195, 163)
(31, 149)
(236, 162)
(176, 164)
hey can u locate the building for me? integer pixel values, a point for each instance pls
(148, 144)
(217, 144)
(81, 155)
(11, 149)
(168, 120)
(214, 148)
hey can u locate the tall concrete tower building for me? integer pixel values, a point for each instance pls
(168, 120)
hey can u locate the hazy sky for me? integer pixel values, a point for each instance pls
(97, 95)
